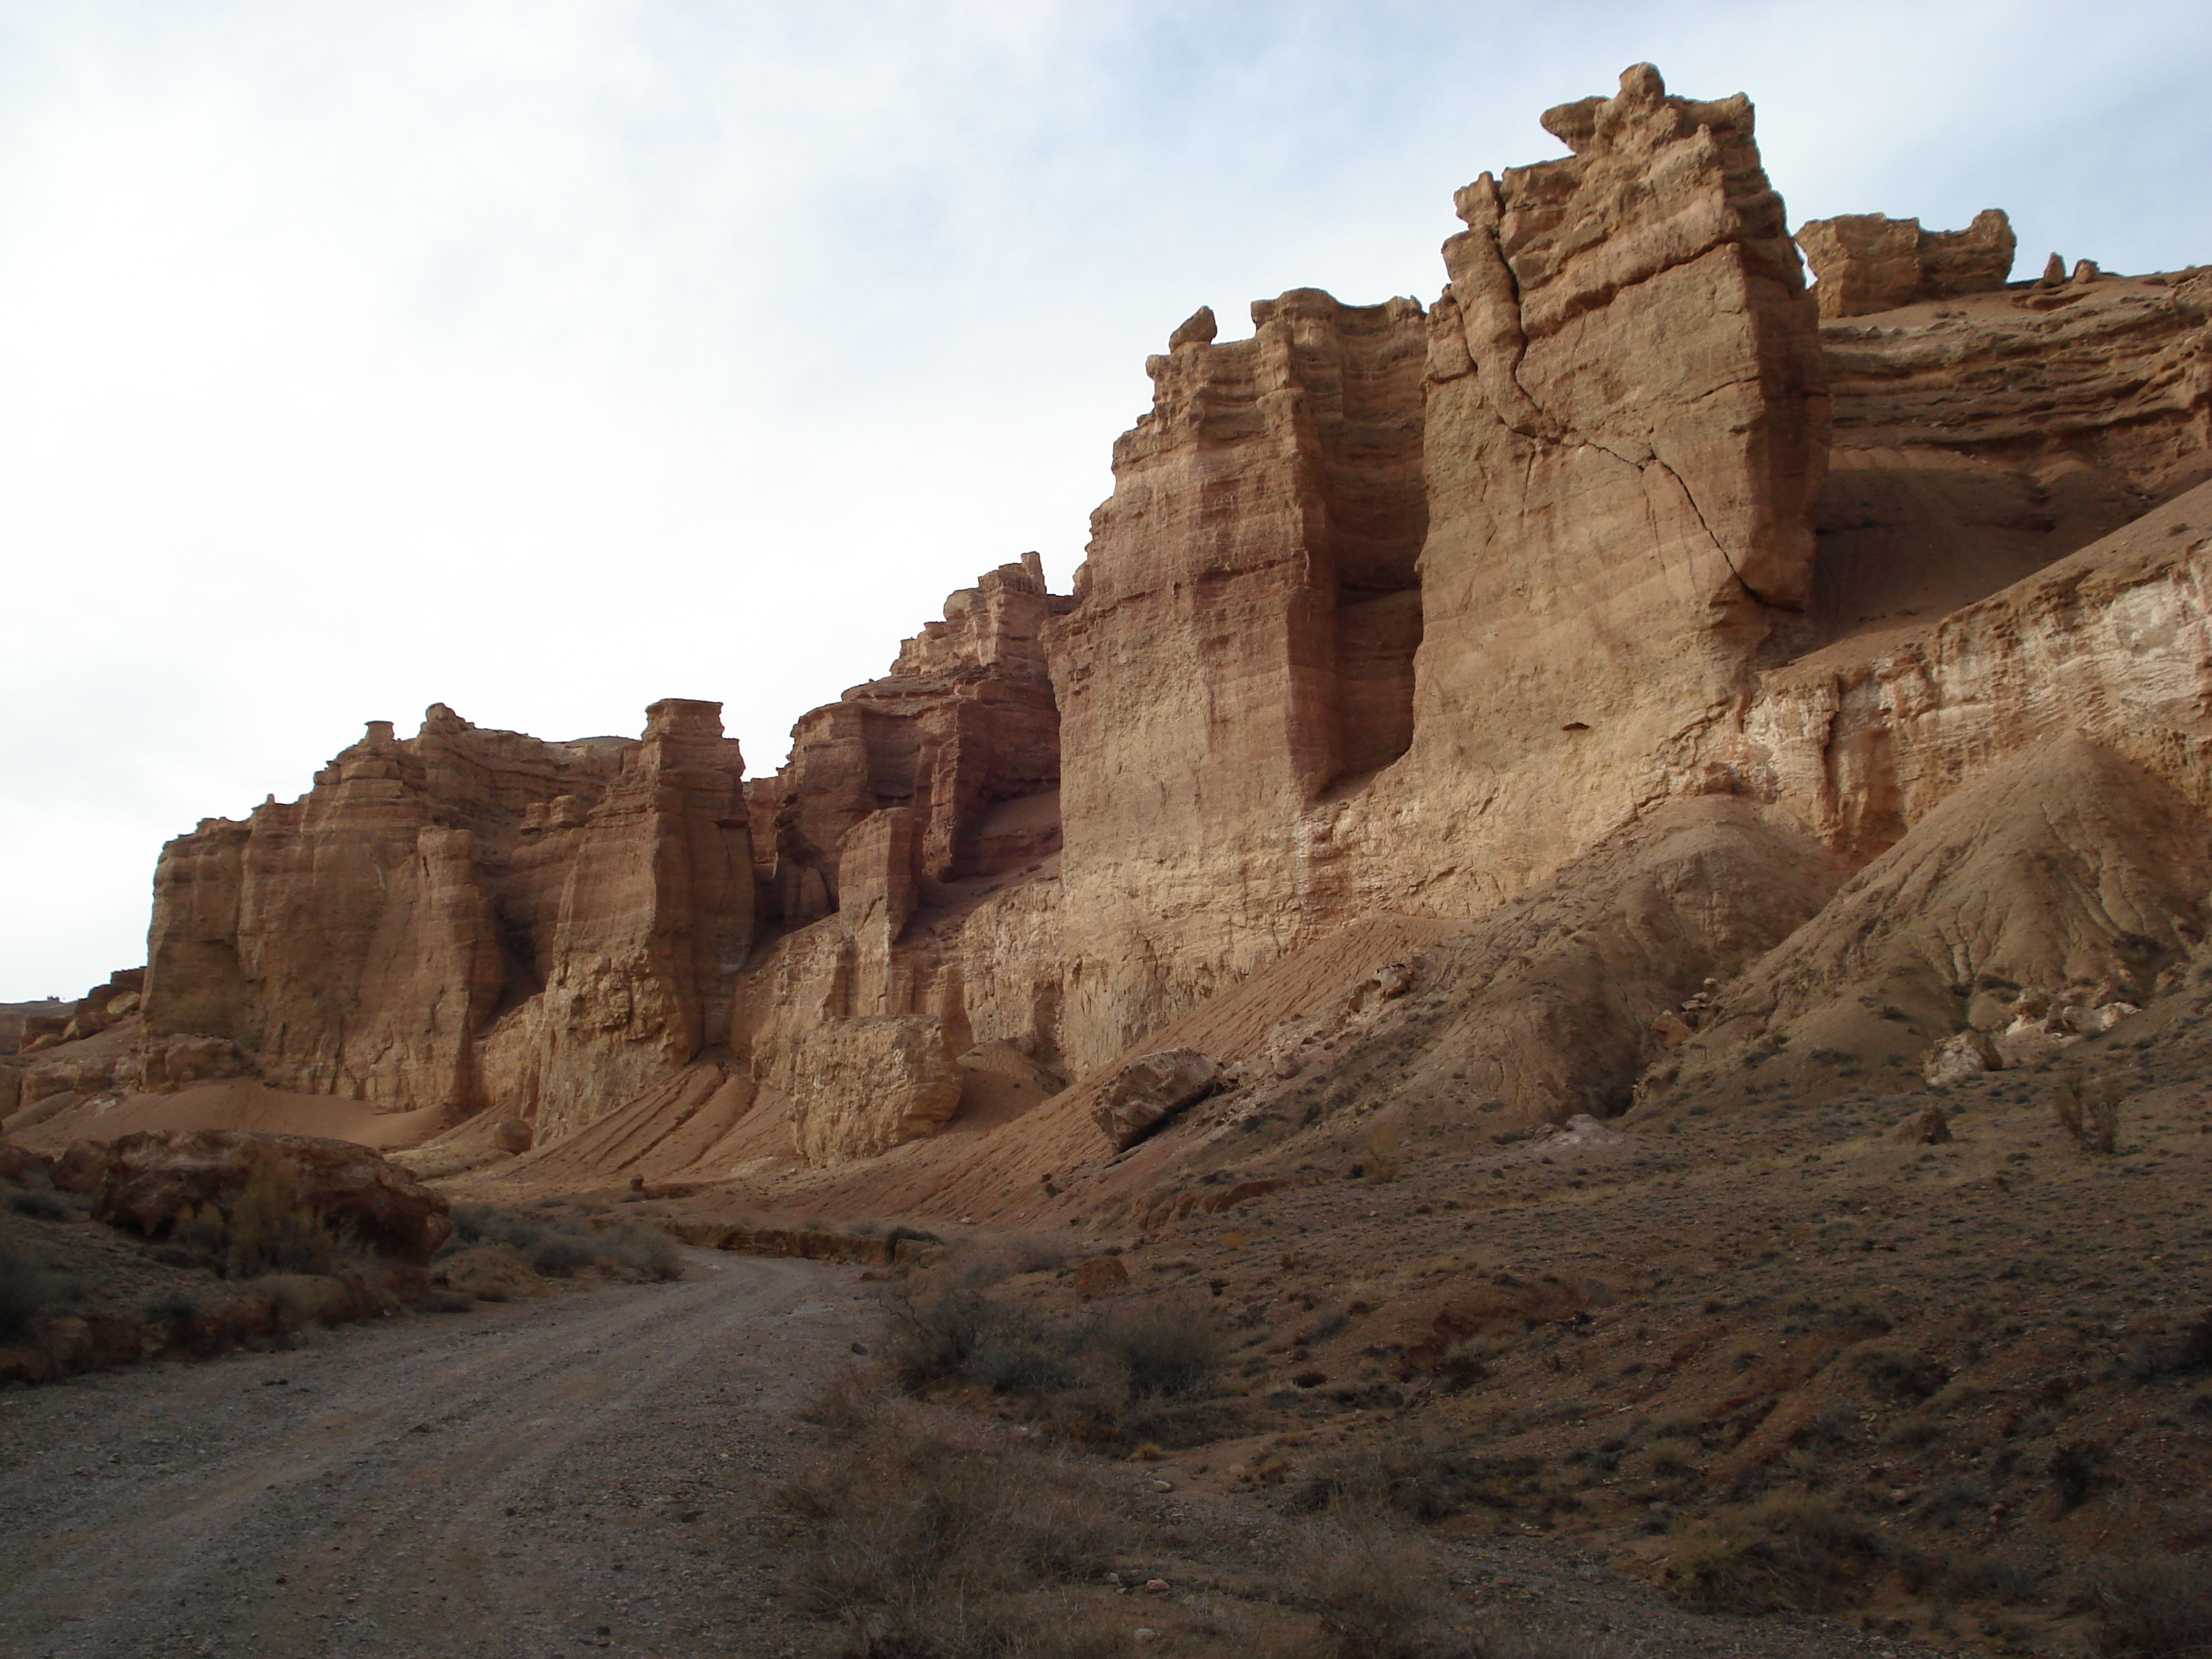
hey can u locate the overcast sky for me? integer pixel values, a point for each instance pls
(545, 359)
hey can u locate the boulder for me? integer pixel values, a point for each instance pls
(1100, 1276)
(511, 1134)
(167, 1063)
(1957, 1058)
(22, 1167)
(147, 1180)
(865, 1085)
(1150, 1090)
(1926, 1127)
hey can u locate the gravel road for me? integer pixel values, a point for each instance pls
(581, 1474)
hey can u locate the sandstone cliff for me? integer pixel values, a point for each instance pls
(1589, 626)
(466, 916)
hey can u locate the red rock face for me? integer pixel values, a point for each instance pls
(1389, 612)
(962, 726)
(366, 941)
(1866, 263)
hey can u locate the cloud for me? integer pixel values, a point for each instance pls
(545, 359)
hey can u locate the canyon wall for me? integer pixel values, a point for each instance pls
(1393, 609)
(469, 917)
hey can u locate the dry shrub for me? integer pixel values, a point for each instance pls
(961, 1334)
(268, 1228)
(2089, 1109)
(559, 1241)
(1379, 1591)
(921, 1542)
(1167, 1350)
(1379, 1161)
(1789, 1553)
(1163, 1351)
(1422, 1481)
(2153, 1605)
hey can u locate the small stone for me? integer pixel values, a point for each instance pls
(1155, 1586)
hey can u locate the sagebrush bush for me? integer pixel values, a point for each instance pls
(1166, 1349)
(267, 1227)
(2153, 1605)
(1790, 1553)
(559, 1242)
(925, 1543)
(41, 1205)
(2089, 1109)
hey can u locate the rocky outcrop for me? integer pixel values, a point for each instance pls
(1864, 262)
(860, 1087)
(469, 917)
(1978, 440)
(1150, 1090)
(963, 727)
(147, 1182)
(1242, 639)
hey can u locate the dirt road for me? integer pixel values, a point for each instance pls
(580, 1475)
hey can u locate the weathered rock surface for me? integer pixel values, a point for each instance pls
(1598, 620)
(1150, 1090)
(1864, 262)
(148, 1181)
(468, 917)
(861, 1086)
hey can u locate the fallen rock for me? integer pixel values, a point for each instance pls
(1926, 1127)
(512, 1134)
(1955, 1059)
(1149, 1090)
(147, 1180)
(168, 1063)
(22, 1167)
(1389, 982)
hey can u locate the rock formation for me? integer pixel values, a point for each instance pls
(148, 1182)
(1553, 653)
(470, 917)
(1864, 262)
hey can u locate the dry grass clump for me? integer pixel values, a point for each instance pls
(1167, 1350)
(561, 1243)
(1381, 1593)
(920, 1541)
(1788, 1553)
(2153, 1605)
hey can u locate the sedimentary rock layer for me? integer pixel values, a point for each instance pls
(468, 917)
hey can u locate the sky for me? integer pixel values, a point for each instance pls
(547, 357)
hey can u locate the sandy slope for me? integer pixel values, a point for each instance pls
(234, 1103)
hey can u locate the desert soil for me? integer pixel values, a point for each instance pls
(590, 1473)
